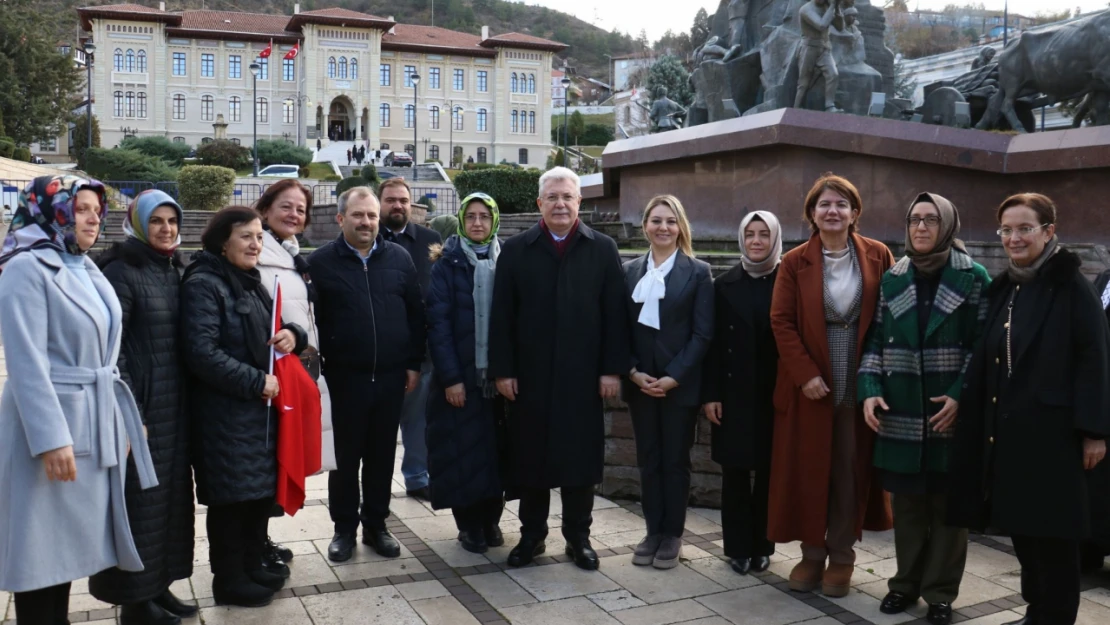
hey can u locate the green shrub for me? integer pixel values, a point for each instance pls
(477, 166)
(304, 172)
(22, 154)
(427, 201)
(356, 171)
(119, 164)
(224, 153)
(205, 187)
(433, 160)
(369, 173)
(555, 159)
(331, 178)
(597, 134)
(348, 183)
(514, 189)
(158, 147)
(280, 152)
(7, 147)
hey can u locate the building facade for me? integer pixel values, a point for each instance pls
(624, 68)
(331, 75)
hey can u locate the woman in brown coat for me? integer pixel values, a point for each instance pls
(822, 491)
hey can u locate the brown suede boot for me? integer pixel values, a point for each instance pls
(806, 575)
(837, 580)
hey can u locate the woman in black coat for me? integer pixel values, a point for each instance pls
(1035, 411)
(739, 385)
(671, 315)
(226, 336)
(464, 408)
(143, 271)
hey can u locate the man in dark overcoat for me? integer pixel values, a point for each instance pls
(558, 345)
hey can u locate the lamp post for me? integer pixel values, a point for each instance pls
(90, 47)
(451, 135)
(566, 100)
(255, 67)
(415, 83)
(426, 140)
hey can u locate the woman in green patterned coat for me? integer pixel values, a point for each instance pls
(931, 309)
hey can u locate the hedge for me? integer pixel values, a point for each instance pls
(22, 154)
(158, 147)
(6, 148)
(349, 183)
(205, 187)
(515, 190)
(369, 173)
(120, 164)
(280, 152)
(224, 153)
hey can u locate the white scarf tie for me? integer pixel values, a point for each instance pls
(651, 289)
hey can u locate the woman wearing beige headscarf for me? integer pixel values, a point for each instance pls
(931, 309)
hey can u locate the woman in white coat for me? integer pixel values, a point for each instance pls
(67, 421)
(285, 214)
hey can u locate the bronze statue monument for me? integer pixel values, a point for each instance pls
(815, 56)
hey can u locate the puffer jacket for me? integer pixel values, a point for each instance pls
(463, 450)
(161, 518)
(234, 433)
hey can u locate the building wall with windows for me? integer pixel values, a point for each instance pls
(173, 74)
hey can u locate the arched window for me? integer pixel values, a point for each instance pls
(410, 116)
(342, 67)
(235, 108)
(141, 113)
(179, 106)
(515, 125)
(354, 69)
(262, 110)
(522, 156)
(383, 117)
(117, 60)
(206, 107)
(331, 67)
(141, 65)
(130, 61)
(481, 120)
(433, 117)
(513, 83)
(179, 139)
(532, 122)
(117, 104)
(481, 155)
(457, 117)
(531, 83)
(433, 153)
(129, 99)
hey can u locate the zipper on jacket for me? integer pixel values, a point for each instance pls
(373, 319)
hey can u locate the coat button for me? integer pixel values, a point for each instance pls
(731, 328)
(729, 375)
(891, 340)
(994, 400)
(996, 361)
(1018, 288)
(991, 439)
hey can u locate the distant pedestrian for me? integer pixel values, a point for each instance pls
(348, 158)
(319, 146)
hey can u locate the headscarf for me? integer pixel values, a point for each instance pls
(44, 217)
(495, 225)
(484, 270)
(137, 224)
(935, 260)
(767, 265)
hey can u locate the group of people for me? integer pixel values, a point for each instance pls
(836, 380)
(357, 153)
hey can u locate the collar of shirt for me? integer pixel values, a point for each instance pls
(398, 232)
(366, 258)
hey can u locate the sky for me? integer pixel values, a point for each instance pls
(656, 16)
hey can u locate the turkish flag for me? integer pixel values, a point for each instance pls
(298, 407)
(292, 54)
(265, 54)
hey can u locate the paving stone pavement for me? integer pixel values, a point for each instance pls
(435, 582)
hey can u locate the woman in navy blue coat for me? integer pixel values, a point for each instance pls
(464, 409)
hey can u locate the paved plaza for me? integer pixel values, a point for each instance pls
(436, 582)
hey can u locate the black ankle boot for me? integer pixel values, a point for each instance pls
(473, 541)
(173, 605)
(240, 591)
(146, 613)
(262, 577)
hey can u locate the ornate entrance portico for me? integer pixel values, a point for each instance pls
(342, 123)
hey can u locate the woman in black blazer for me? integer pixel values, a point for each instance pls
(738, 388)
(671, 308)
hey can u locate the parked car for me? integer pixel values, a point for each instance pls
(398, 159)
(280, 171)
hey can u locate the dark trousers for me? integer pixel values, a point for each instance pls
(1049, 578)
(237, 536)
(478, 516)
(45, 606)
(366, 412)
(664, 435)
(744, 512)
(931, 555)
(578, 507)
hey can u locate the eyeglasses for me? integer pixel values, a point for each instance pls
(1022, 232)
(477, 218)
(566, 198)
(931, 221)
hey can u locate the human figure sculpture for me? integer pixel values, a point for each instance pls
(663, 112)
(986, 55)
(737, 22)
(815, 55)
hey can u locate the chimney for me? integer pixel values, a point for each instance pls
(485, 33)
(392, 29)
(296, 8)
(161, 6)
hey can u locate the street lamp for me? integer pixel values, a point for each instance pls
(566, 99)
(255, 67)
(415, 78)
(90, 47)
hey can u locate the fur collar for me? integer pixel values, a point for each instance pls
(1060, 269)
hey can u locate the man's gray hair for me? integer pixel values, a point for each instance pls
(556, 174)
(356, 193)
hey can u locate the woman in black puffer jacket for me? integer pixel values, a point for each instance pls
(226, 337)
(143, 271)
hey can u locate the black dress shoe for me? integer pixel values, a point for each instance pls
(741, 565)
(584, 555)
(896, 603)
(240, 591)
(473, 541)
(342, 547)
(146, 613)
(382, 542)
(939, 613)
(760, 564)
(494, 537)
(420, 493)
(173, 605)
(525, 551)
(279, 552)
(269, 580)
(275, 567)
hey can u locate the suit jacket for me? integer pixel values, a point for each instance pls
(677, 349)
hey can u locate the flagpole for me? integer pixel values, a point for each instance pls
(273, 326)
(270, 75)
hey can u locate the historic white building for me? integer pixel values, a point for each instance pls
(332, 74)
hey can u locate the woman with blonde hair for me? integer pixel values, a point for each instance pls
(672, 317)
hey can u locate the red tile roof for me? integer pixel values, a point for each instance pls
(135, 8)
(136, 12)
(236, 22)
(514, 40)
(337, 16)
(431, 39)
(341, 13)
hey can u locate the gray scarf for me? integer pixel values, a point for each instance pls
(1026, 274)
(483, 303)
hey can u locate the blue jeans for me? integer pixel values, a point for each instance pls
(414, 465)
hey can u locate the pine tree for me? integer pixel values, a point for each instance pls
(81, 136)
(668, 72)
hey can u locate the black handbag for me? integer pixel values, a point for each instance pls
(310, 358)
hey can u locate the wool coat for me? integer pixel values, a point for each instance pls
(801, 455)
(1018, 461)
(463, 451)
(296, 308)
(558, 325)
(64, 389)
(906, 372)
(147, 284)
(740, 371)
(1098, 480)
